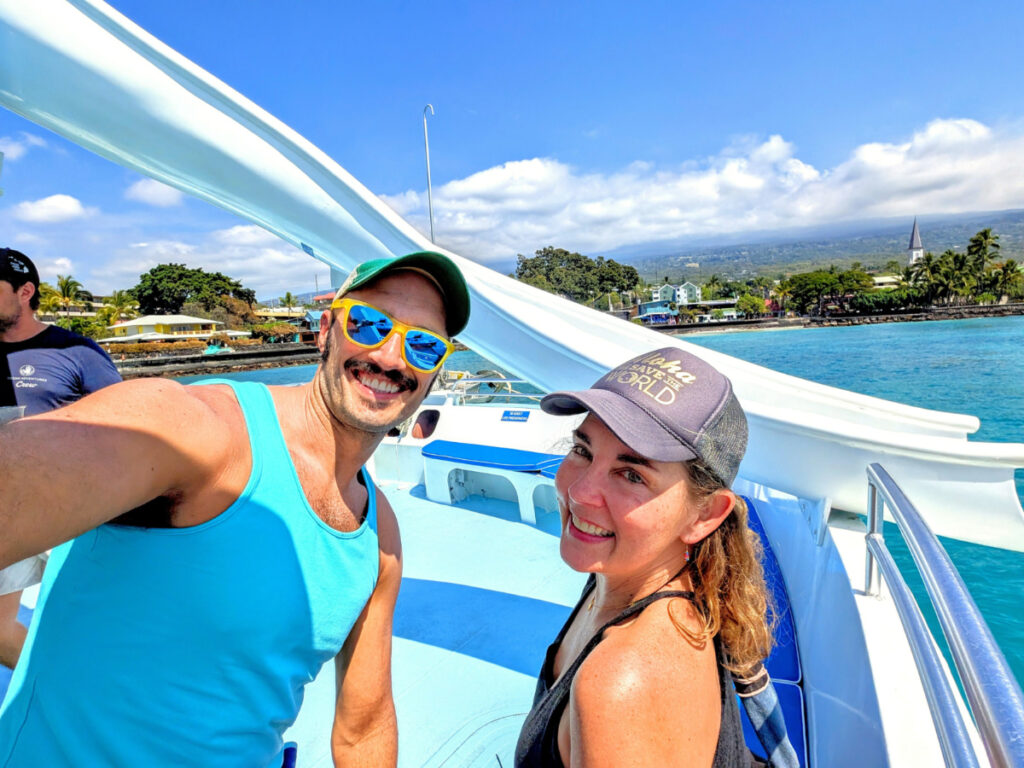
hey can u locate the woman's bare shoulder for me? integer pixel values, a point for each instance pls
(646, 683)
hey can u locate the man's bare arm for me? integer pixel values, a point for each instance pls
(365, 733)
(67, 471)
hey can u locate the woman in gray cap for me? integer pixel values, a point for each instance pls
(640, 674)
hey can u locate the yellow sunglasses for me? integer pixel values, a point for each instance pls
(369, 327)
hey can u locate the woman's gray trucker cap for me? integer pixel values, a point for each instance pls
(666, 405)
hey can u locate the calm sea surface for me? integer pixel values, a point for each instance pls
(966, 366)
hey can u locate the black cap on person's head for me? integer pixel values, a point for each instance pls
(17, 269)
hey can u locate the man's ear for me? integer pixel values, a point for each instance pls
(715, 508)
(325, 330)
(26, 292)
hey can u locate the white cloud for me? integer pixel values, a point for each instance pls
(950, 166)
(50, 268)
(246, 253)
(153, 192)
(52, 209)
(14, 149)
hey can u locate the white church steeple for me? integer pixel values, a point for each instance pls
(915, 247)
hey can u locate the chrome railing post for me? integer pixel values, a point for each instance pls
(993, 693)
(874, 527)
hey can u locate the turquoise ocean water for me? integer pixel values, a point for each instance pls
(966, 366)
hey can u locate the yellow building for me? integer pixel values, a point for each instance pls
(167, 328)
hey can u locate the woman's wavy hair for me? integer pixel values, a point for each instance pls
(728, 581)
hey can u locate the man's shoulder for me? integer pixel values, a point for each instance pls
(55, 337)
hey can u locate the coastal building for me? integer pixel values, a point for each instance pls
(284, 314)
(915, 247)
(887, 282)
(664, 292)
(324, 299)
(312, 319)
(166, 328)
(660, 312)
(688, 293)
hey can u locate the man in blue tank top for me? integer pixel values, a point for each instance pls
(42, 367)
(220, 544)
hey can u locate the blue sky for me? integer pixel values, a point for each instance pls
(596, 126)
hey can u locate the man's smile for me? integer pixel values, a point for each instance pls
(381, 382)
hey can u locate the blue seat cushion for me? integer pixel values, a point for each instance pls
(784, 661)
(511, 459)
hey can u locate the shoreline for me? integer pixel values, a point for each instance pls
(290, 354)
(796, 323)
(242, 359)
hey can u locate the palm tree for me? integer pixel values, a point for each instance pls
(288, 301)
(926, 273)
(982, 247)
(70, 292)
(763, 285)
(49, 300)
(121, 304)
(783, 292)
(1008, 277)
(712, 286)
(954, 280)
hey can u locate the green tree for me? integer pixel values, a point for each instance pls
(983, 247)
(630, 278)
(49, 300)
(83, 326)
(120, 305)
(165, 289)
(750, 305)
(70, 292)
(810, 289)
(1009, 278)
(955, 278)
(287, 301)
(711, 288)
(568, 273)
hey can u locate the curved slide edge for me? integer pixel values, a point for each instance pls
(86, 72)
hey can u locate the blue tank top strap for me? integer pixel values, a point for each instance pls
(268, 446)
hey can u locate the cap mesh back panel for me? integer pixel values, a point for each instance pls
(724, 440)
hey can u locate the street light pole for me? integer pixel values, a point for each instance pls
(426, 147)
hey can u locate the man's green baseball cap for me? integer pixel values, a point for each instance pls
(440, 269)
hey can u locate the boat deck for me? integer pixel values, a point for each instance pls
(481, 599)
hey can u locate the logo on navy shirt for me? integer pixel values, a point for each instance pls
(26, 370)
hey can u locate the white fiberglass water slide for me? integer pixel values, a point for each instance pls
(81, 69)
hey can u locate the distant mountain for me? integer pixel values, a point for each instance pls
(871, 243)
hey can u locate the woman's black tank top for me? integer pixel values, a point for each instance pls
(538, 740)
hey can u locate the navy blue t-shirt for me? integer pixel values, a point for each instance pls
(53, 368)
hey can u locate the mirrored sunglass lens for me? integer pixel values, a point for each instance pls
(367, 325)
(424, 350)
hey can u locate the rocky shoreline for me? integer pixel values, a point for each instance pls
(188, 363)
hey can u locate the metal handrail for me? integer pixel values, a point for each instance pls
(942, 699)
(993, 693)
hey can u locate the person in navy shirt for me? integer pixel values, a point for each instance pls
(42, 367)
